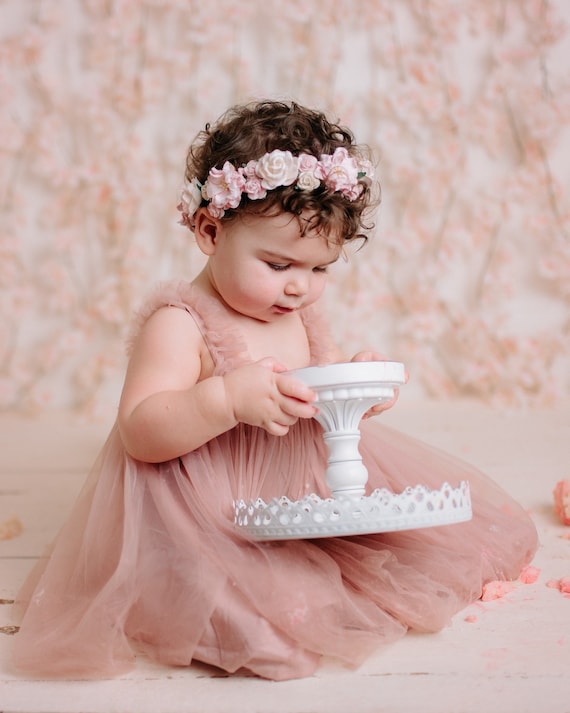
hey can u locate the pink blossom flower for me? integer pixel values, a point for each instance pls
(341, 171)
(223, 188)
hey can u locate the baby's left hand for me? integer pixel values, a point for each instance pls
(376, 356)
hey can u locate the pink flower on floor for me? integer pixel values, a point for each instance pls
(529, 575)
(561, 495)
(496, 590)
(563, 585)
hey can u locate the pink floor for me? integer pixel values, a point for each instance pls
(504, 655)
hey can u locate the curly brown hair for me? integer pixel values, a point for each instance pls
(248, 131)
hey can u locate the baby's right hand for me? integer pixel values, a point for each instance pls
(260, 394)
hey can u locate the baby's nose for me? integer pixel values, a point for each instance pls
(297, 285)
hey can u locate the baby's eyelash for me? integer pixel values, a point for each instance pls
(281, 268)
(278, 268)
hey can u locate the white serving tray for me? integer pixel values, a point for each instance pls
(382, 511)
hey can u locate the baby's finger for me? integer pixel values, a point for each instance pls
(369, 356)
(298, 409)
(295, 389)
(277, 429)
(380, 408)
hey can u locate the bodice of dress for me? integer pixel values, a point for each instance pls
(223, 339)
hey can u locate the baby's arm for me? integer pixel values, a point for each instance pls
(167, 409)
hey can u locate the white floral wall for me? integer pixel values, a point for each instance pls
(466, 102)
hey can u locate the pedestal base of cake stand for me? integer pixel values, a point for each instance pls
(344, 393)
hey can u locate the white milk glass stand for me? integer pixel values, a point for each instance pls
(344, 393)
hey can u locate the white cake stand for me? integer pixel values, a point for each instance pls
(345, 392)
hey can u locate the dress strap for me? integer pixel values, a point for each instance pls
(224, 341)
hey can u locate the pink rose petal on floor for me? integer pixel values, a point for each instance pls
(496, 590)
(529, 575)
(10, 528)
(563, 585)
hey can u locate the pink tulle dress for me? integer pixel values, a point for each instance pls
(150, 560)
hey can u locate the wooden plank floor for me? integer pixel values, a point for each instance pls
(511, 654)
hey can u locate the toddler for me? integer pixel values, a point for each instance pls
(149, 558)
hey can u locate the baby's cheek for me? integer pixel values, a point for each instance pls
(317, 289)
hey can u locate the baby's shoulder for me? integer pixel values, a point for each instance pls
(169, 336)
(171, 294)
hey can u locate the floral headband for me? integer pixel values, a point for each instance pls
(225, 186)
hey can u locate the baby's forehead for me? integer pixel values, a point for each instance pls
(307, 224)
(311, 225)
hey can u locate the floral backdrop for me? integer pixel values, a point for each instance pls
(466, 104)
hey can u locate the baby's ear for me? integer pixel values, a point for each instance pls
(206, 229)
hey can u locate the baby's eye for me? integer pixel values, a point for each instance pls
(320, 269)
(275, 266)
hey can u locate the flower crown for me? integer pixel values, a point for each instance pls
(225, 186)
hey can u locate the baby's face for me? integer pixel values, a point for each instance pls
(266, 267)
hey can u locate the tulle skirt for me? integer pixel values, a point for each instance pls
(150, 560)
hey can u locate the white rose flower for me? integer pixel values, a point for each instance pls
(191, 197)
(278, 168)
(308, 181)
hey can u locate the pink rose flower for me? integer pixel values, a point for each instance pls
(249, 169)
(253, 186)
(307, 162)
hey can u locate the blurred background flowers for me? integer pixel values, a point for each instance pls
(466, 105)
